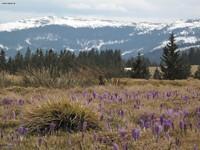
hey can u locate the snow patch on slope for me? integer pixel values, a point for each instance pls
(48, 37)
(3, 47)
(187, 40)
(161, 46)
(97, 44)
(66, 21)
(19, 47)
(184, 24)
(132, 51)
(189, 47)
(146, 27)
(28, 41)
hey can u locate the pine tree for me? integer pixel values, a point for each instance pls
(197, 73)
(27, 57)
(18, 61)
(140, 68)
(172, 65)
(10, 66)
(2, 60)
(157, 74)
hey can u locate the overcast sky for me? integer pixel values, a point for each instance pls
(124, 9)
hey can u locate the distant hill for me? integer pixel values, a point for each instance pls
(79, 34)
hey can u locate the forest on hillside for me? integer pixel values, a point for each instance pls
(102, 64)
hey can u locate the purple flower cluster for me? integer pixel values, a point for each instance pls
(136, 134)
(22, 130)
(9, 101)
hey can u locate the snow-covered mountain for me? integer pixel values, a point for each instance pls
(78, 34)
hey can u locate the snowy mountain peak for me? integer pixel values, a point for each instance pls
(65, 21)
(79, 34)
(77, 22)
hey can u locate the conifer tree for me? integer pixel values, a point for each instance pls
(18, 61)
(27, 57)
(140, 68)
(197, 73)
(10, 66)
(2, 60)
(172, 65)
(157, 74)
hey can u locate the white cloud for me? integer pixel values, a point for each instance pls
(156, 9)
(78, 6)
(96, 7)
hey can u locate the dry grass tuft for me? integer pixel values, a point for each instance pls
(59, 115)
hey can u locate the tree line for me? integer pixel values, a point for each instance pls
(109, 63)
(192, 56)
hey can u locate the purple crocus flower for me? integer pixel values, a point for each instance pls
(125, 146)
(147, 124)
(141, 123)
(120, 100)
(157, 129)
(115, 146)
(195, 147)
(22, 131)
(167, 124)
(185, 98)
(170, 112)
(121, 113)
(161, 120)
(21, 102)
(168, 94)
(94, 94)
(181, 125)
(116, 95)
(161, 107)
(52, 127)
(122, 132)
(185, 113)
(136, 134)
(7, 101)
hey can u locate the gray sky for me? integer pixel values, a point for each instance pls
(124, 9)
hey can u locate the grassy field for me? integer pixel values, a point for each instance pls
(193, 69)
(126, 114)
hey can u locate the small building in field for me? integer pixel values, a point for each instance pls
(127, 69)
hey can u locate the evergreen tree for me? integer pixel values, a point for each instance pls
(10, 66)
(66, 61)
(157, 74)
(18, 62)
(172, 65)
(2, 60)
(192, 56)
(27, 57)
(140, 68)
(197, 73)
(51, 63)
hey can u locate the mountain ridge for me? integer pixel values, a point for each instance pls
(78, 34)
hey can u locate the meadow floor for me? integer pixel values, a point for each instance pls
(133, 115)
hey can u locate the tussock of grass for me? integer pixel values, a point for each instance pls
(9, 124)
(59, 115)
